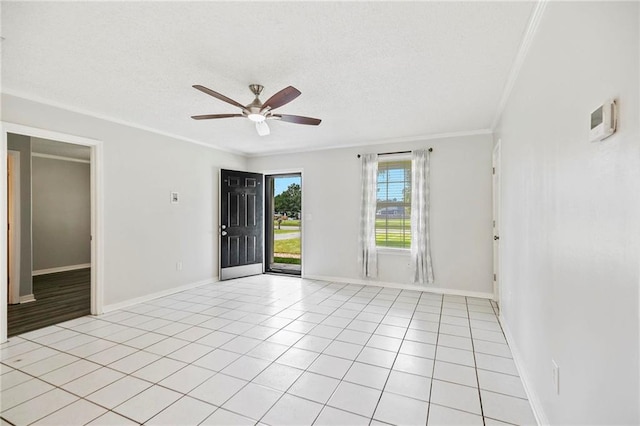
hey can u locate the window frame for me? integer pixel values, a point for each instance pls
(397, 158)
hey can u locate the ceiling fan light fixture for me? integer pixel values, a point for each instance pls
(256, 118)
(262, 128)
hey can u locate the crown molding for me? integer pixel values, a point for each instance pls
(409, 139)
(105, 117)
(527, 39)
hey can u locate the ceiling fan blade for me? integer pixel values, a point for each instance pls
(218, 96)
(262, 128)
(283, 97)
(298, 119)
(209, 116)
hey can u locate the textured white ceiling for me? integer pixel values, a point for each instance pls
(372, 71)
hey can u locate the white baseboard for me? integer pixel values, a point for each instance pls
(60, 269)
(156, 295)
(27, 298)
(536, 406)
(402, 286)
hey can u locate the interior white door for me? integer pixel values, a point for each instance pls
(496, 222)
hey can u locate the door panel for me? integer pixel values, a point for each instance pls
(241, 224)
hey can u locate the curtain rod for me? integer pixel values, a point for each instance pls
(396, 152)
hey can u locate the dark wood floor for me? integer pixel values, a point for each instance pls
(59, 297)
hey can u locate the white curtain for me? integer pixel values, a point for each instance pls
(367, 251)
(420, 246)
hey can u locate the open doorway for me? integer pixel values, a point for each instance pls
(283, 223)
(51, 235)
(36, 159)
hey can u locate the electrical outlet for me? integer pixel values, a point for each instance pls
(555, 376)
(179, 266)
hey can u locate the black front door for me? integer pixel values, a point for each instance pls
(241, 224)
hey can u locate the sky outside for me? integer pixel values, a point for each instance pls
(392, 183)
(282, 183)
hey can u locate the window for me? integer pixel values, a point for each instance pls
(393, 204)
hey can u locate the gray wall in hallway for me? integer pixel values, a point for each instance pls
(61, 213)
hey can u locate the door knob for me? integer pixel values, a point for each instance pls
(224, 227)
(496, 238)
(224, 233)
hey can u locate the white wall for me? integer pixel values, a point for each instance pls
(61, 201)
(145, 235)
(460, 214)
(570, 211)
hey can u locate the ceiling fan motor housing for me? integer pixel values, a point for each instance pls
(255, 107)
(256, 89)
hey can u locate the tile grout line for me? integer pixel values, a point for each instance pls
(475, 363)
(435, 356)
(396, 356)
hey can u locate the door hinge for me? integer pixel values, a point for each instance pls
(494, 277)
(493, 170)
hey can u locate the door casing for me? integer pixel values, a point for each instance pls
(13, 219)
(97, 212)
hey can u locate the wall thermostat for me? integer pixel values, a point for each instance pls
(603, 121)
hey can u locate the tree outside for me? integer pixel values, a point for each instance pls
(289, 201)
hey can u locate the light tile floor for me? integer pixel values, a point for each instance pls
(271, 350)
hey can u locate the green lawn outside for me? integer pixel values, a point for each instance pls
(288, 260)
(389, 233)
(289, 222)
(380, 242)
(291, 246)
(394, 223)
(392, 237)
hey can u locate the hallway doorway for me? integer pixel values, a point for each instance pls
(58, 235)
(55, 234)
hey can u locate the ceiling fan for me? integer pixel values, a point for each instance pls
(257, 111)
